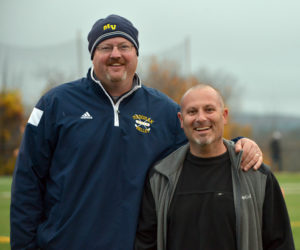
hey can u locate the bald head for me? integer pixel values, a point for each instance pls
(203, 86)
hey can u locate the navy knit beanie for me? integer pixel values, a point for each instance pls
(112, 26)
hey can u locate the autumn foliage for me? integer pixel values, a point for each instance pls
(11, 119)
(165, 78)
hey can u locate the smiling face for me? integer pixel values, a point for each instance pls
(202, 118)
(115, 67)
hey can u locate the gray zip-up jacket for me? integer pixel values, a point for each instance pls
(248, 192)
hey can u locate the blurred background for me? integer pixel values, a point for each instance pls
(250, 50)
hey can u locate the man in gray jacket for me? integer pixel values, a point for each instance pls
(199, 198)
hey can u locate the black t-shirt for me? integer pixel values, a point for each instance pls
(202, 214)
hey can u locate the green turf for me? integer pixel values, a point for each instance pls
(290, 182)
(5, 183)
(288, 177)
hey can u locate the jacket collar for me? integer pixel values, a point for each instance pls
(136, 79)
(174, 161)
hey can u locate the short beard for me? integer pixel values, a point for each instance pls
(203, 142)
(109, 78)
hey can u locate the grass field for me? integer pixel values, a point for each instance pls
(290, 182)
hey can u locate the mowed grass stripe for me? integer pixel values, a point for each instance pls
(295, 223)
(4, 239)
(291, 188)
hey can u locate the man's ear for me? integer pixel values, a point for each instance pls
(225, 115)
(179, 115)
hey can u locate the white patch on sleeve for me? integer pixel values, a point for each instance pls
(35, 116)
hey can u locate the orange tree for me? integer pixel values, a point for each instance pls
(11, 118)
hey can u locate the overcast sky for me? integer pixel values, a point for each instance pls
(256, 41)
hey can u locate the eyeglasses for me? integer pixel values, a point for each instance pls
(107, 49)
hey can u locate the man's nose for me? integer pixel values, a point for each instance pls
(115, 52)
(201, 116)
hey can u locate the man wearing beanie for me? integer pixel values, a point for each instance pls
(87, 147)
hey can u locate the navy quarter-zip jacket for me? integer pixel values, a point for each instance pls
(80, 172)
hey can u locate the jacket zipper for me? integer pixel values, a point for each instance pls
(117, 104)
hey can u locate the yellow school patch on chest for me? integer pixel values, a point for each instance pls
(142, 123)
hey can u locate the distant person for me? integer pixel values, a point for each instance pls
(275, 146)
(198, 198)
(87, 147)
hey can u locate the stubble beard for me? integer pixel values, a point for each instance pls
(111, 79)
(208, 140)
(203, 141)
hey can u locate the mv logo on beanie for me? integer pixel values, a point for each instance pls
(109, 26)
